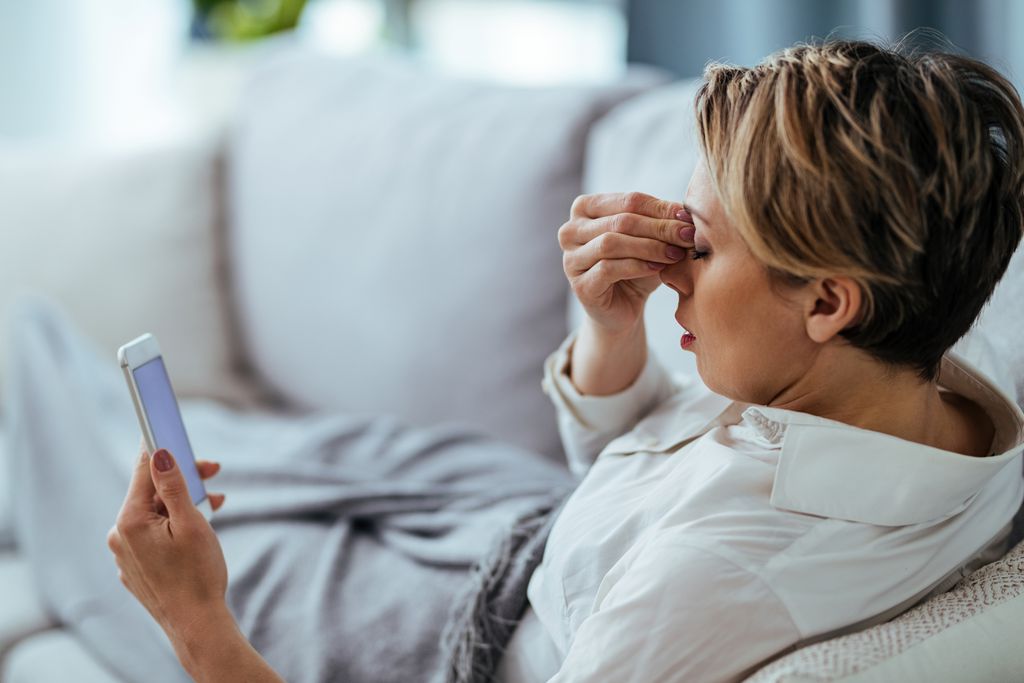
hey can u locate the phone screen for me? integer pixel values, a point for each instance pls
(165, 422)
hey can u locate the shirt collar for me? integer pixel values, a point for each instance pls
(832, 469)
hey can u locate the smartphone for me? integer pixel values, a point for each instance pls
(158, 412)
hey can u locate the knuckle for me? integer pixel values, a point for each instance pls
(128, 527)
(618, 223)
(564, 234)
(169, 489)
(668, 231)
(578, 204)
(606, 243)
(114, 540)
(582, 290)
(633, 202)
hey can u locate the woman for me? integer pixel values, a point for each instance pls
(855, 211)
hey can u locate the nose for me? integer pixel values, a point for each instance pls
(679, 276)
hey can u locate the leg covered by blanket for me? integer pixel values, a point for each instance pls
(351, 542)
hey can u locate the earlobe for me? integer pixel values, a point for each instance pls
(835, 306)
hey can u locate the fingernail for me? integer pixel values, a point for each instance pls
(686, 234)
(683, 215)
(675, 253)
(163, 460)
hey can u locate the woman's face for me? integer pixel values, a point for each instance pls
(751, 343)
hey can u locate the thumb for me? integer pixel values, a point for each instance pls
(170, 484)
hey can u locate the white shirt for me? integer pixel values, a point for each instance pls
(713, 536)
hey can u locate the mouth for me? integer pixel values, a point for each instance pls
(687, 339)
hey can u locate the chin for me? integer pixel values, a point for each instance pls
(711, 379)
(716, 382)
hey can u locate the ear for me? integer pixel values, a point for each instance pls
(834, 304)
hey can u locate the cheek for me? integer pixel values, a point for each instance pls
(749, 339)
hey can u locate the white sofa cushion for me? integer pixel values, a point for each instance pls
(21, 613)
(124, 240)
(54, 657)
(394, 239)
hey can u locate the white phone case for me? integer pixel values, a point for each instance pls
(130, 356)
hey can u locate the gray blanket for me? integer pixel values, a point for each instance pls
(351, 542)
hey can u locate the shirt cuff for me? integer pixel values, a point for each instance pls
(616, 413)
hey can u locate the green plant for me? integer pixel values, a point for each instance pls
(240, 20)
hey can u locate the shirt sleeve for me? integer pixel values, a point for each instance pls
(680, 613)
(588, 423)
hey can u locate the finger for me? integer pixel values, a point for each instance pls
(207, 468)
(141, 489)
(614, 245)
(671, 231)
(610, 203)
(171, 485)
(595, 283)
(216, 500)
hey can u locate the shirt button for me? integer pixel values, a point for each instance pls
(649, 441)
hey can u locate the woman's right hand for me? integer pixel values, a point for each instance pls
(614, 246)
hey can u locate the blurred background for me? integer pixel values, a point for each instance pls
(123, 71)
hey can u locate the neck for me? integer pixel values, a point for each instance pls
(847, 385)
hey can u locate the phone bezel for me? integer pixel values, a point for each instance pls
(137, 352)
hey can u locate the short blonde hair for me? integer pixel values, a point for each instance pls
(903, 170)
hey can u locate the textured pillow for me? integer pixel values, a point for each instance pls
(394, 239)
(969, 633)
(124, 241)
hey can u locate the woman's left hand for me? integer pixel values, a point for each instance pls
(167, 553)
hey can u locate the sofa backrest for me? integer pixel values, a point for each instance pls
(393, 238)
(126, 240)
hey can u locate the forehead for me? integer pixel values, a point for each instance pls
(701, 195)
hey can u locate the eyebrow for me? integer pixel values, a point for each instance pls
(694, 212)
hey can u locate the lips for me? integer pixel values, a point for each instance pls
(688, 337)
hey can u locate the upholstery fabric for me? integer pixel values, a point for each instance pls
(125, 241)
(54, 656)
(22, 613)
(967, 633)
(394, 239)
(6, 506)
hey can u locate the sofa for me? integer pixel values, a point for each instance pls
(369, 236)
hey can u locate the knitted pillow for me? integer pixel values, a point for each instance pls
(969, 633)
